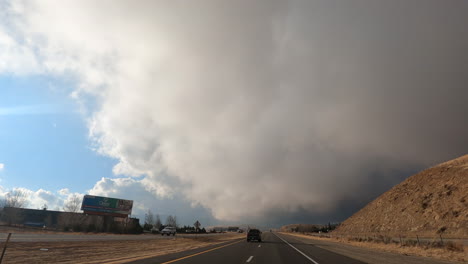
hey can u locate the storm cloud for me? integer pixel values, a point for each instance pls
(298, 108)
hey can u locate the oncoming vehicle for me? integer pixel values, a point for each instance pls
(168, 230)
(254, 234)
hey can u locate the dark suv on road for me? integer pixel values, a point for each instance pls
(254, 234)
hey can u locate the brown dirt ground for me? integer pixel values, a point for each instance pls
(104, 251)
(429, 203)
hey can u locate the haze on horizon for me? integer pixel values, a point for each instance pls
(302, 110)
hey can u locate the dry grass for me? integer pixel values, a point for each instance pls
(447, 251)
(431, 202)
(104, 251)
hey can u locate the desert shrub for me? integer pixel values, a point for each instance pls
(453, 246)
(410, 243)
(435, 244)
(387, 239)
(441, 230)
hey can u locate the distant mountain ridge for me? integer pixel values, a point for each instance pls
(431, 202)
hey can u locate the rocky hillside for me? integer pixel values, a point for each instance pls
(431, 202)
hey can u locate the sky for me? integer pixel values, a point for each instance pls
(262, 112)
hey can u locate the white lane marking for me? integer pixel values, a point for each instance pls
(259, 245)
(251, 257)
(303, 254)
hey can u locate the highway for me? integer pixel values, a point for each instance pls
(275, 249)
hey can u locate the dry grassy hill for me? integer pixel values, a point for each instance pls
(428, 203)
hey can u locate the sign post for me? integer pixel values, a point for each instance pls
(4, 247)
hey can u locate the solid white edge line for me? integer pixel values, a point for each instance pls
(303, 254)
(251, 257)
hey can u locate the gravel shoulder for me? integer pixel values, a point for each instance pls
(369, 255)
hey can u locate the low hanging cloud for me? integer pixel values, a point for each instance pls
(293, 108)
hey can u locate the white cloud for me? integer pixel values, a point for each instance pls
(2, 166)
(64, 191)
(303, 108)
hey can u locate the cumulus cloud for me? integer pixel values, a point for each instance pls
(2, 166)
(292, 107)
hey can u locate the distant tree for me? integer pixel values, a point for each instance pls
(15, 198)
(73, 203)
(171, 221)
(149, 220)
(197, 226)
(44, 207)
(157, 222)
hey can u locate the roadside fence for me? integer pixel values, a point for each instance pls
(455, 244)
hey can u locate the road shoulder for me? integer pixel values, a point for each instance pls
(367, 255)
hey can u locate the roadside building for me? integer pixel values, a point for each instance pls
(67, 221)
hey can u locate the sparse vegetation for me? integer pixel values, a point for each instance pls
(73, 203)
(15, 198)
(429, 203)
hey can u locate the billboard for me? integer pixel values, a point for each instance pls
(106, 206)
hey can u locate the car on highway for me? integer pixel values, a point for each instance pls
(254, 234)
(168, 230)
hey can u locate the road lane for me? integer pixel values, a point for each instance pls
(275, 249)
(321, 256)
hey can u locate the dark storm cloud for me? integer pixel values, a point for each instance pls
(318, 106)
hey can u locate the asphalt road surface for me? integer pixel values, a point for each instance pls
(274, 249)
